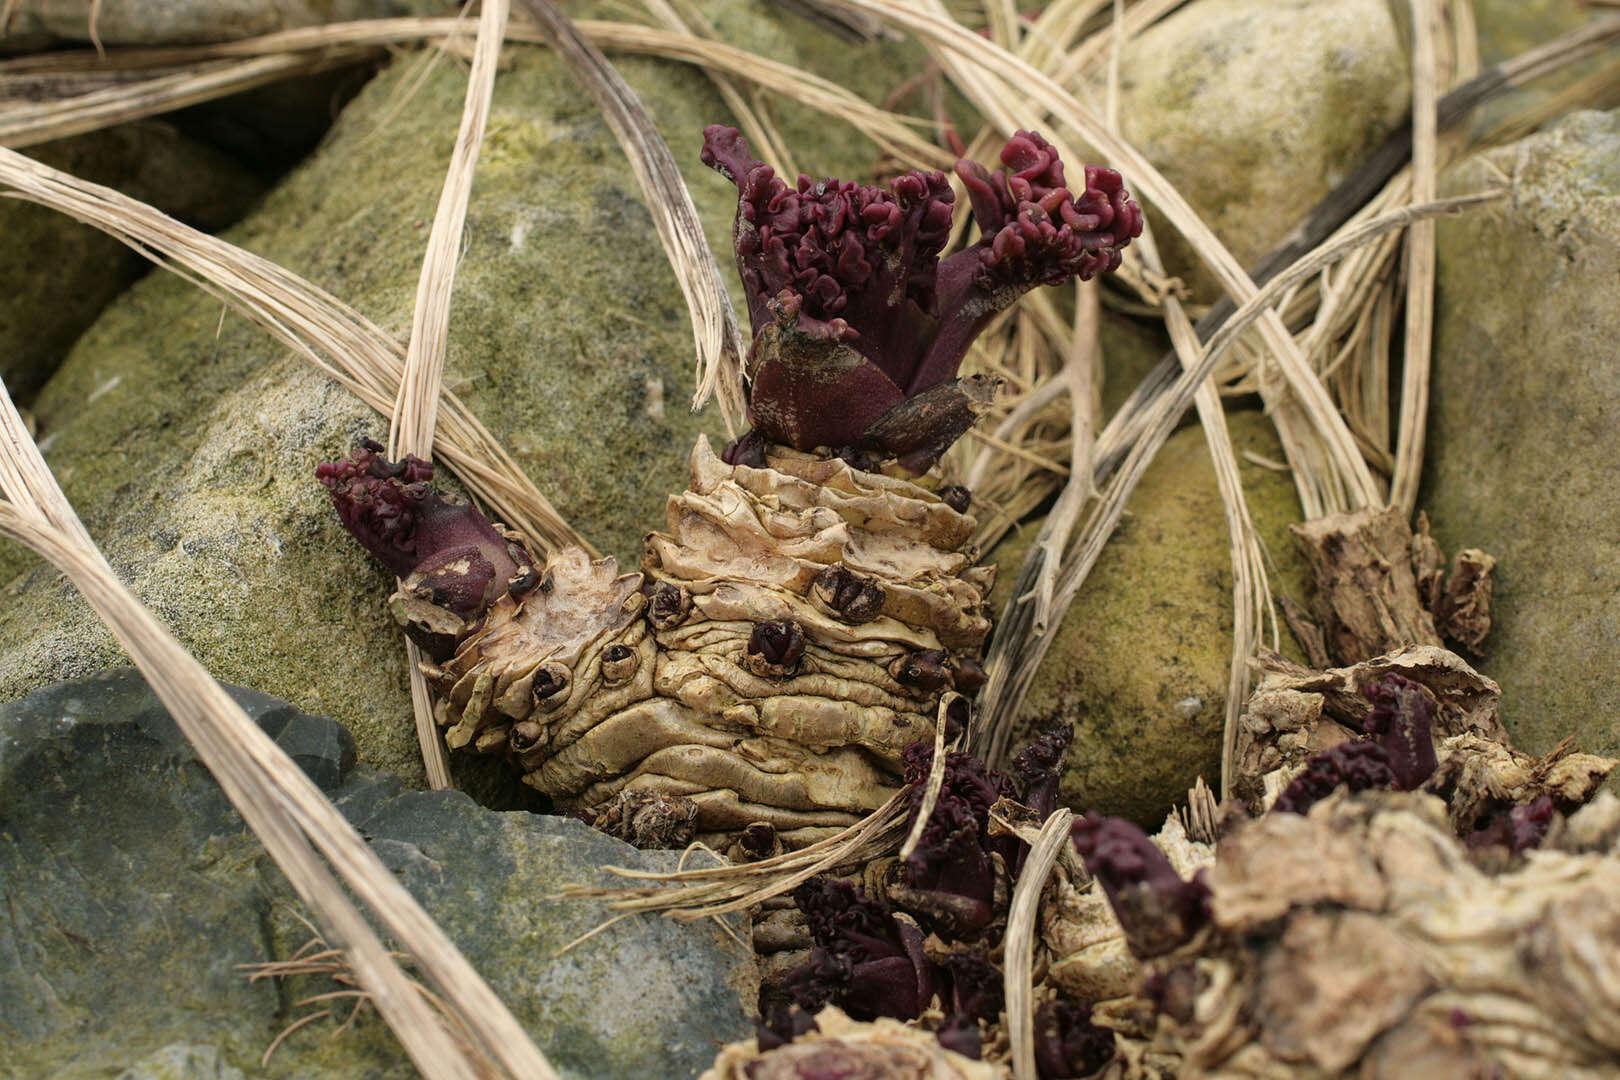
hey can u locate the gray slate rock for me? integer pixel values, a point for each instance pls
(133, 892)
(1522, 432)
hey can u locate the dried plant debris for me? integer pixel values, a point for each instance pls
(1380, 585)
(811, 608)
(841, 1047)
(1394, 955)
(1417, 898)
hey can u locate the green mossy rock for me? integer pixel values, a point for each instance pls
(133, 891)
(1522, 424)
(1255, 109)
(1140, 665)
(187, 439)
(59, 274)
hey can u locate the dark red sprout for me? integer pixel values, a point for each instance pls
(1401, 715)
(1358, 766)
(1519, 829)
(950, 879)
(1040, 766)
(1068, 1046)
(450, 549)
(1157, 909)
(978, 992)
(867, 960)
(860, 327)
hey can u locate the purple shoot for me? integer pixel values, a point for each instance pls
(951, 877)
(1068, 1046)
(444, 549)
(1359, 766)
(1157, 909)
(860, 327)
(1401, 715)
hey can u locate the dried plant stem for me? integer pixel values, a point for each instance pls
(688, 895)
(416, 407)
(194, 75)
(38, 122)
(719, 341)
(1420, 258)
(934, 782)
(766, 143)
(1019, 955)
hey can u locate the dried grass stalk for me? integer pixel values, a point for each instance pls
(1019, 947)
(416, 407)
(714, 324)
(34, 123)
(1420, 258)
(1017, 650)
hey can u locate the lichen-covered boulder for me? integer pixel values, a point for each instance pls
(133, 891)
(189, 446)
(58, 274)
(1522, 436)
(1255, 109)
(1140, 665)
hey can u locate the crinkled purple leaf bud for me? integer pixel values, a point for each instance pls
(952, 874)
(444, 549)
(843, 282)
(1040, 766)
(1356, 765)
(889, 972)
(1157, 909)
(1519, 829)
(1068, 1046)
(1401, 715)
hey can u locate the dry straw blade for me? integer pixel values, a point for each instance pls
(1018, 966)
(1018, 651)
(718, 338)
(416, 406)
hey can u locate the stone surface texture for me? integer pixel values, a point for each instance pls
(1256, 109)
(133, 891)
(189, 446)
(1523, 437)
(1140, 665)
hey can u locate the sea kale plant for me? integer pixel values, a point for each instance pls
(860, 327)
(803, 619)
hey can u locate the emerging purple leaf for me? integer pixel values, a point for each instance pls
(1157, 909)
(1401, 714)
(1359, 766)
(860, 327)
(1068, 1046)
(445, 549)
